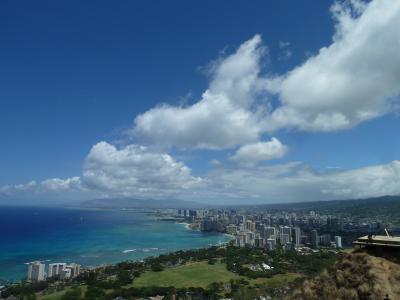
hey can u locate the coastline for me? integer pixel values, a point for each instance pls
(109, 238)
(231, 236)
(122, 245)
(188, 226)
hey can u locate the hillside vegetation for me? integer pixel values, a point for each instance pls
(357, 275)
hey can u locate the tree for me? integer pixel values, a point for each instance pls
(157, 267)
(124, 277)
(94, 293)
(74, 294)
(31, 297)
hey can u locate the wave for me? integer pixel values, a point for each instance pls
(141, 250)
(128, 250)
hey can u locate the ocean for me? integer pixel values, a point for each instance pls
(87, 237)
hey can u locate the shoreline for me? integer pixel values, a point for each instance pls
(187, 226)
(125, 253)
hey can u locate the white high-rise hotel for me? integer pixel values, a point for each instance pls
(36, 271)
(55, 269)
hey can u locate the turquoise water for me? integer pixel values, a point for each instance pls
(87, 237)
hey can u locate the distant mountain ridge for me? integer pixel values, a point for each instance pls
(382, 201)
(373, 203)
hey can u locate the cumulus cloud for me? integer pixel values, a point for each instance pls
(354, 79)
(133, 172)
(57, 184)
(50, 186)
(136, 171)
(227, 114)
(251, 153)
(10, 189)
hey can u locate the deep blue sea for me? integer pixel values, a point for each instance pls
(87, 237)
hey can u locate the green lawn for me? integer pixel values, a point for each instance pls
(196, 274)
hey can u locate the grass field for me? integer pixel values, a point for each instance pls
(201, 274)
(196, 274)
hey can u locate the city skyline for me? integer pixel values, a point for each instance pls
(252, 105)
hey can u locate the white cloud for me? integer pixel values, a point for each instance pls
(251, 153)
(136, 171)
(215, 162)
(296, 181)
(10, 189)
(354, 79)
(227, 114)
(57, 184)
(50, 186)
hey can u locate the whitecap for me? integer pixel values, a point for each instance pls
(129, 250)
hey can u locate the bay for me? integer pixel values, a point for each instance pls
(88, 237)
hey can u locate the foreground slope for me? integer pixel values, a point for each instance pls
(357, 275)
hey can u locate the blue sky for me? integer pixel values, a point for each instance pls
(132, 75)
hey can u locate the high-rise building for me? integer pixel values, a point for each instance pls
(259, 242)
(284, 238)
(65, 274)
(283, 231)
(36, 271)
(325, 239)
(55, 269)
(250, 225)
(314, 239)
(271, 243)
(231, 229)
(338, 241)
(75, 269)
(296, 236)
(269, 232)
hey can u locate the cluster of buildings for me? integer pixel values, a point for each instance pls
(269, 229)
(256, 234)
(62, 271)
